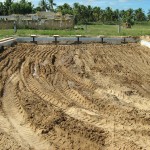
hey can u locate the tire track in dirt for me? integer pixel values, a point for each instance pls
(16, 116)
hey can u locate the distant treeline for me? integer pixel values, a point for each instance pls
(81, 13)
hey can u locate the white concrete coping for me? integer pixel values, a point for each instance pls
(78, 35)
(101, 36)
(6, 39)
(56, 35)
(145, 43)
(7, 42)
(33, 35)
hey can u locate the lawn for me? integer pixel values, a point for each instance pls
(92, 30)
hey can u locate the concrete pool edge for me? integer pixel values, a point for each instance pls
(145, 43)
(69, 40)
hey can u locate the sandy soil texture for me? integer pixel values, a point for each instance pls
(75, 97)
(146, 38)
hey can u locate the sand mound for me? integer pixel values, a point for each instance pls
(79, 97)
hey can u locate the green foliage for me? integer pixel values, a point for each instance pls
(2, 9)
(82, 14)
(50, 5)
(139, 15)
(23, 7)
(148, 15)
(43, 5)
(65, 9)
(9, 7)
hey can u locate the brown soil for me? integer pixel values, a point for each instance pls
(146, 38)
(79, 97)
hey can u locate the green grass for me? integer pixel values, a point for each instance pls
(92, 30)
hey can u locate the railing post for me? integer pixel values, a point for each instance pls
(33, 36)
(55, 38)
(123, 40)
(78, 38)
(102, 38)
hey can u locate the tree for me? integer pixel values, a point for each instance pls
(51, 5)
(43, 5)
(148, 14)
(123, 15)
(1, 8)
(23, 7)
(97, 12)
(116, 15)
(83, 14)
(129, 16)
(15, 8)
(76, 8)
(65, 9)
(89, 13)
(109, 14)
(37, 9)
(139, 15)
(7, 7)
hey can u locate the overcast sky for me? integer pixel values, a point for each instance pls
(115, 4)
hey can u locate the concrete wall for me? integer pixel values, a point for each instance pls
(44, 24)
(6, 24)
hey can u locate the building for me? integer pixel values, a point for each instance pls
(40, 20)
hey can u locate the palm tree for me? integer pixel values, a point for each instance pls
(148, 14)
(109, 14)
(139, 15)
(1, 9)
(129, 15)
(89, 13)
(43, 5)
(97, 12)
(116, 15)
(7, 5)
(65, 9)
(76, 12)
(51, 5)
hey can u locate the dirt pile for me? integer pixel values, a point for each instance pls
(79, 97)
